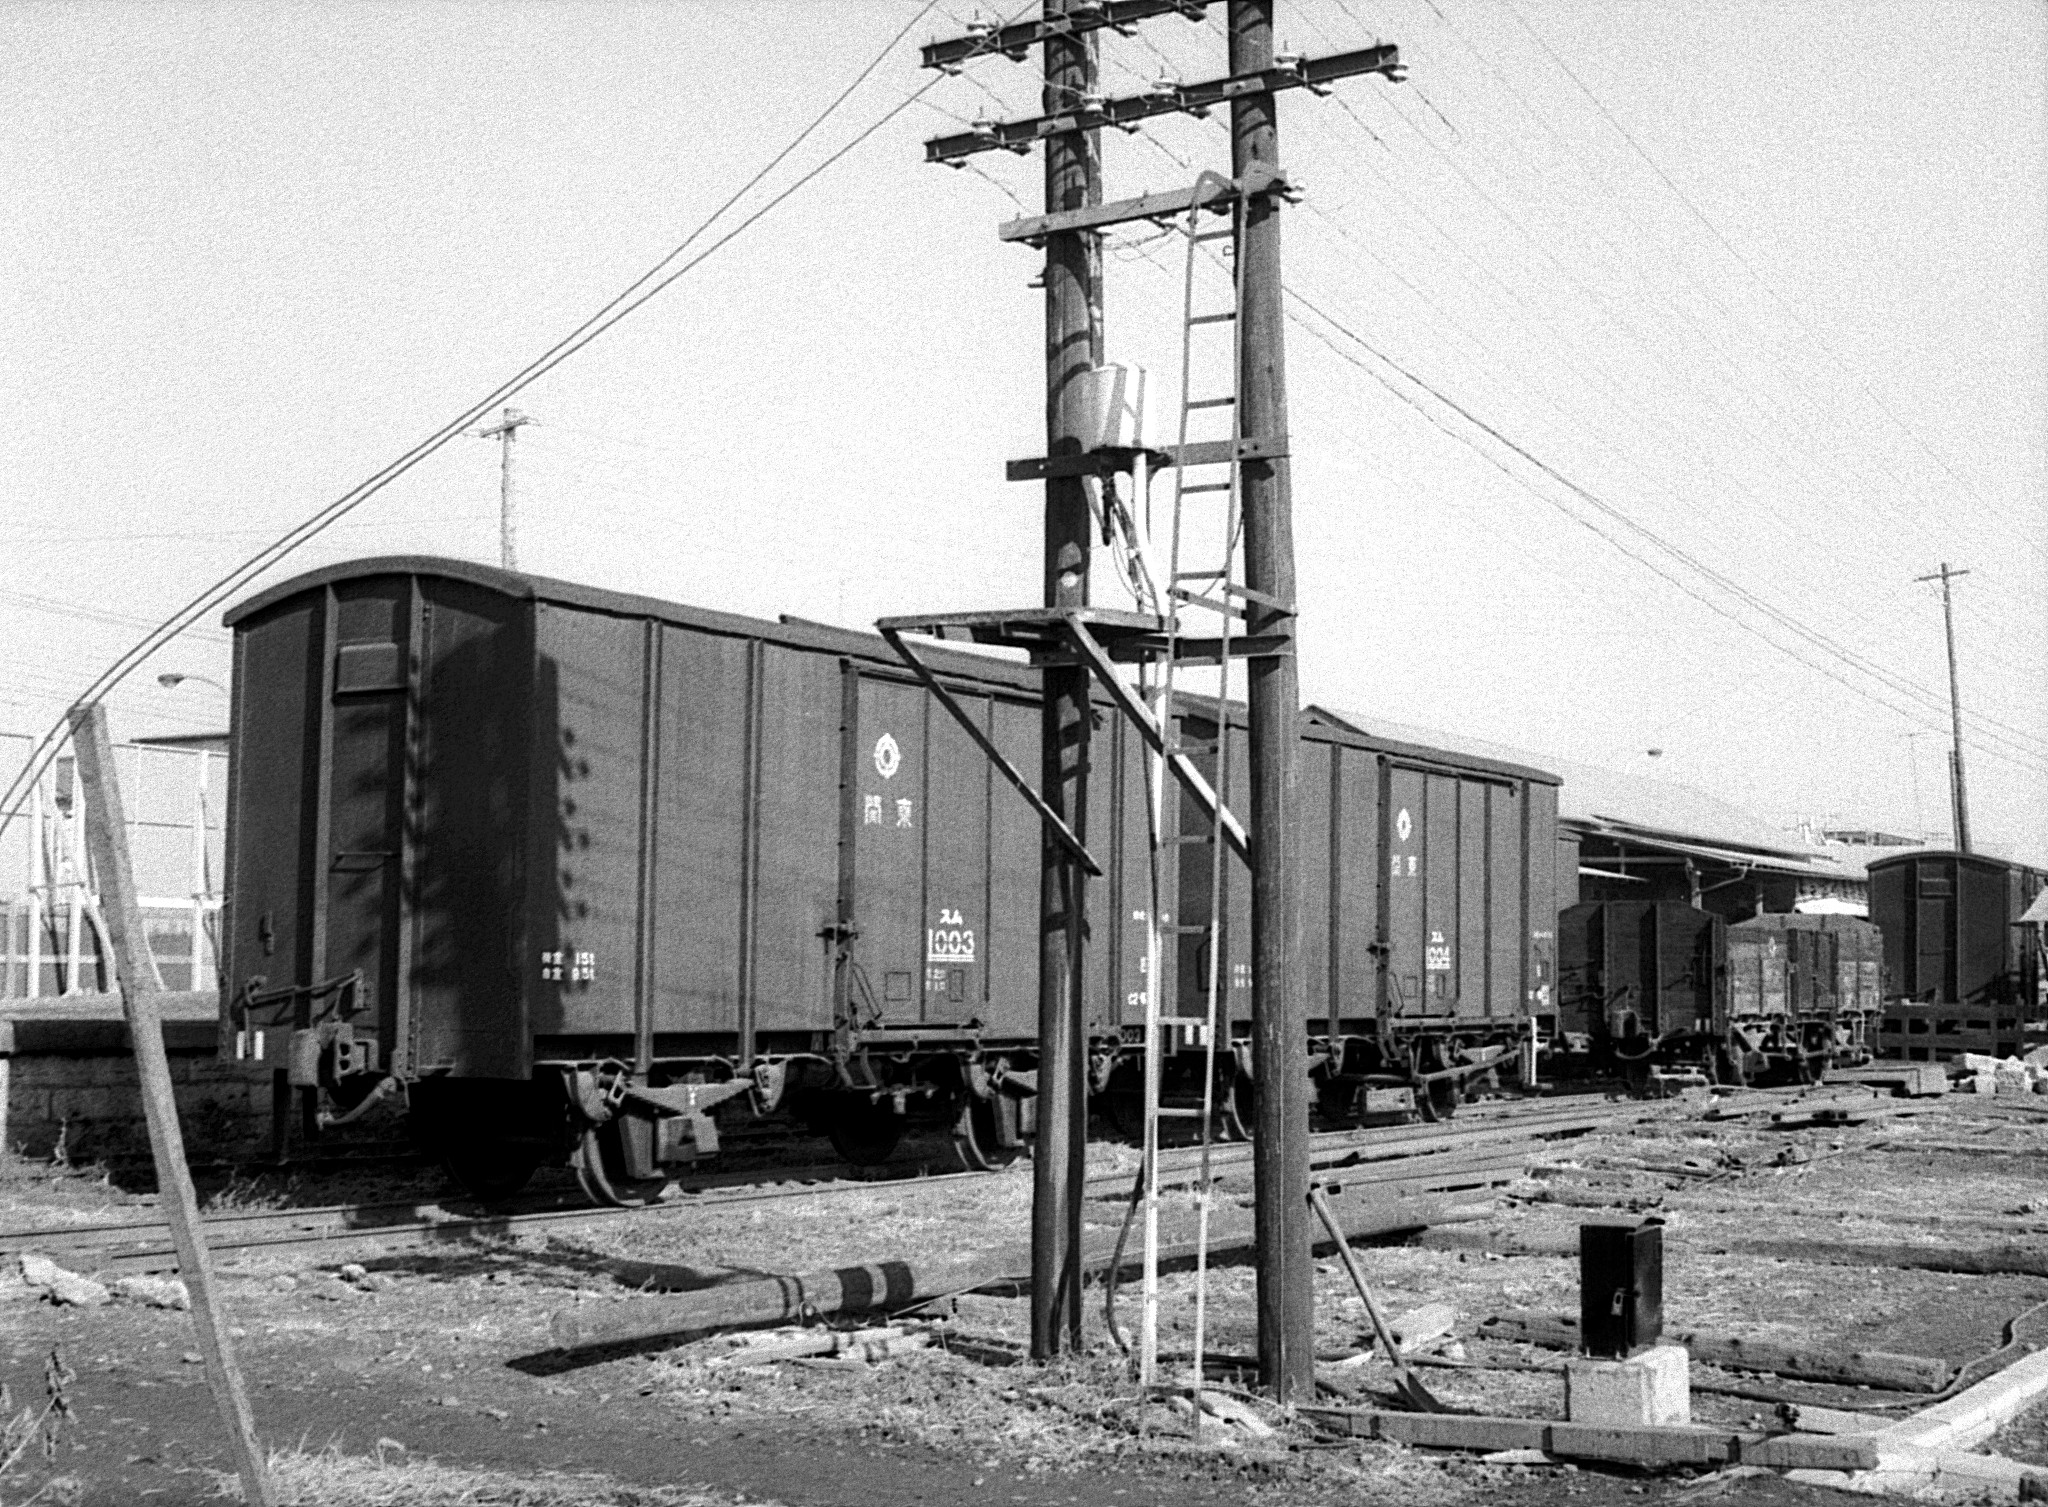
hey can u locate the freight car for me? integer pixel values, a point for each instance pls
(1963, 975)
(577, 874)
(1430, 900)
(1775, 997)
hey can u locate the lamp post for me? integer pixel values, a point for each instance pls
(170, 680)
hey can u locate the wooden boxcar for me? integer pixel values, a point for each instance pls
(1961, 973)
(574, 869)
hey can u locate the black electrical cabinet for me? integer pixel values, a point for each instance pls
(1621, 1287)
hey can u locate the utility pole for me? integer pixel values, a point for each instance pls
(1073, 345)
(1959, 800)
(1068, 635)
(1285, 1267)
(508, 527)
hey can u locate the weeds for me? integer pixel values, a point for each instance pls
(38, 1428)
(302, 1477)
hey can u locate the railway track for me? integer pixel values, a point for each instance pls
(1482, 1150)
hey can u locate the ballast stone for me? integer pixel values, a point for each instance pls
(1654, 1388)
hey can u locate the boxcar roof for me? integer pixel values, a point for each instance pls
(796, 633)
(1910, 855)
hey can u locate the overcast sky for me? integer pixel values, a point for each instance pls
(1730, 316)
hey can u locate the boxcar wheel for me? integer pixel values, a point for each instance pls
(864, 1136)
(977, 1138)
(490, 1173)
(1437, 1101)
(601, 1169)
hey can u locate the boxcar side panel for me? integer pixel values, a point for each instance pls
(1356, 867)
(888, 899)
(592, 669)
(1472, 956)
(360, 896)
(1315, 822)
(1439, 943)
(956, 833)
(1507, 871)
(468, 984)
(797, 886)
(274, 767)
(1405, 825)
(1010, 948)
(701, 831)
(1984, 895)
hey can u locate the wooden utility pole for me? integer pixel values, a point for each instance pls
(1062, 633)
(1959, 801)
(1073, 345)
(106, 836)
(1286, 1269)
(504, 431)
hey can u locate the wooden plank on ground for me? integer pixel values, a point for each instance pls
(106, 835)
(1856, 1368)
(1671, 1445)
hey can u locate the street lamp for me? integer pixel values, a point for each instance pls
(170, 680)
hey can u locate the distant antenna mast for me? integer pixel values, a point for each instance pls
(1959, 797)
(508, 518)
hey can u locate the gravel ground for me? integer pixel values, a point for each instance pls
(429, 1378)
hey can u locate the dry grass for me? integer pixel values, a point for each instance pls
(392, 1478)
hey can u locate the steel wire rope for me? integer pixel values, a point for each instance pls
(1931, 698)
(648, 285)
(1818, 641)
(1920, 691)
(1627, 327)
(1894, 682)
(1730, 318)
(1623, 550)
(1756, 277)
(1633, 462)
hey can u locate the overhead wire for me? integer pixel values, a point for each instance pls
(1988, 742)
(647, 286)
(1722, 240)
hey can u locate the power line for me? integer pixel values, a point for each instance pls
(648, 285)
(1812, 636)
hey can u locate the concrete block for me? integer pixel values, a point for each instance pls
(1654, 1388)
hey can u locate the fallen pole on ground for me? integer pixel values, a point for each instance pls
(1855, 1368)
(898, 1284)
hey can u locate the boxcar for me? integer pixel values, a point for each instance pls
(1430, 884)
(1775, 996)
(1961, 974)
(571, 870)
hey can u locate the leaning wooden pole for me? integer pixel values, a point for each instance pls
(1286, 1272)
(106, 836)
(1073, 345)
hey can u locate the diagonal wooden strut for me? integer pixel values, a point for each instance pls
(1058, 827)
(1141, 718)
